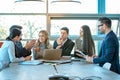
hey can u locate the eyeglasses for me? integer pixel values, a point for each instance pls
(100, 25)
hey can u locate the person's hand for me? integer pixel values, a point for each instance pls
(94, 56)
(59, 46)
(37, 49)
(89, 59)
(30, 44)
(59, 41)
(27, 58)
(79, 55)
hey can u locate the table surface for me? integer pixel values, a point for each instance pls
(43, 71)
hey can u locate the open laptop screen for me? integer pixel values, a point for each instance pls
(52, 54)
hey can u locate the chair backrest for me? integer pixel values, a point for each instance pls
(1, 44)
(107, 65)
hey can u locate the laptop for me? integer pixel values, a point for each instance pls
(52, 54)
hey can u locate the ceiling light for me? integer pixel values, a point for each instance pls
(75, 1)
(28, 0)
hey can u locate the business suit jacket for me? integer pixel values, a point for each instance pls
(66, 47)
(109, 52)
(21, 51)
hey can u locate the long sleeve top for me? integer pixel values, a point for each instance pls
(7, 53)
(78, 45)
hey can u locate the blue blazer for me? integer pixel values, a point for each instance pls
(109, 52)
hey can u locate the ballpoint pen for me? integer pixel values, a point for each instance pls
(54, 65)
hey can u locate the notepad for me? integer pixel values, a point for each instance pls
(31, 62)
(80, 53)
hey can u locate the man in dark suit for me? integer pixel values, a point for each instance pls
(21, 51)
(109, 52)
(64, 43)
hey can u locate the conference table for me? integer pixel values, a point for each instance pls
(42, 71)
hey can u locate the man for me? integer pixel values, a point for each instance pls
(21, 51)
(109, 52)
(64, 43)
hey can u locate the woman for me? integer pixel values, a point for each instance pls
(42, 43)
(84, 44)
(8, 49)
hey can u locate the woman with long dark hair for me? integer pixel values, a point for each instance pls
(84, 44)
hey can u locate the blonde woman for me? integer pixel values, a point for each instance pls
(42, 43)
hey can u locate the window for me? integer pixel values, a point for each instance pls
(113, 6)
(73, 25)
(32, 24)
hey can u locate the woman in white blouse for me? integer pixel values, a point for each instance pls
(7, 51)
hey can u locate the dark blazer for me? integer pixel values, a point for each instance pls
(66, 47)
(20, 51)
(109, 52)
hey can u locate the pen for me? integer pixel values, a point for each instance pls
(54, 65)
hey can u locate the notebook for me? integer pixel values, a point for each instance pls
(31, 62)
(52, 54)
